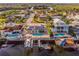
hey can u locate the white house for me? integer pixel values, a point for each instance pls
(50, 8)
(10, 24)
(59, 26)
(32, 9)
(74, 17)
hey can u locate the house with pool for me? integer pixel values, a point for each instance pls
(39, 35)
(60, 32)
(75, 28)
(13, 33)
(60, 28)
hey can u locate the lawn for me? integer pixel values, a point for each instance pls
(2, 22)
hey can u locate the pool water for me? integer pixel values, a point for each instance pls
(12, 36)
(38, 34)
(59, 35)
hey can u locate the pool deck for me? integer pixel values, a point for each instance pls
(35, 37)
(65, 35)
(43, 36)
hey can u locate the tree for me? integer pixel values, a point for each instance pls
(49, 18)
(71, 31)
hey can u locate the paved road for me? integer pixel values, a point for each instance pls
(30, 19)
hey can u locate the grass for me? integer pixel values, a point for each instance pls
(66, 7)
(38, 21)
(2, 22)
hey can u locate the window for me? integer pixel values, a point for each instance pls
(58, 27)
(61, 27)
(58, 31)
(41, 31)
(62, 31)
(35, 41)
(62, 23)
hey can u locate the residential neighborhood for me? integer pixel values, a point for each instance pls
(39, 29)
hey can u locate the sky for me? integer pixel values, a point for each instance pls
(39, 1)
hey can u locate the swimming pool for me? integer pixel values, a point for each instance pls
(59, 35)
(15, 35)
(38, 34)
(12, 36)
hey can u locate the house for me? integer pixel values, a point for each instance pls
(56, 16)
(26, 16)
(75, 29)
(59, 26)
(31, 9)
(19, 15)
(13, 35)
(73, 16)
(74, 23)
(61, 31)
(50, 8)
(9, 24)
(38, 36)
(70, 16)
(43, 17)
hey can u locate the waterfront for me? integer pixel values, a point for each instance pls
(39, 30)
